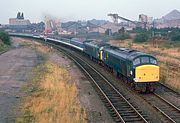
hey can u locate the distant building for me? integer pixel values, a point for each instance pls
(19, 20)
(101, 29)
(19, 24)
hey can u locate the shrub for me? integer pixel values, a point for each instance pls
(120, 36)
(175, 36)
(141, 37)
(5, 38)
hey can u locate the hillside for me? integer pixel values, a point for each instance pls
(173, 15)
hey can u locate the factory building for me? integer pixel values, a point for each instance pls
(19, 20)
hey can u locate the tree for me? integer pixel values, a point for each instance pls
(120, 36)
(108, 32)
(141, 37)
(122, 30)
(174, 36)
(5, 38)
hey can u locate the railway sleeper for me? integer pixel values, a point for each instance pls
(134, 116)
(132, 119)
(122, 107)
(125, 106)
(128, 114)
(117, 120)
(111, 109)
(110, 93)
(175, 115)
(115, 101)
(107, 104)
(121, 102)
(126, 111)
(116, 98)
(114, 114)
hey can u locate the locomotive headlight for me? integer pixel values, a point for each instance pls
(136, 79)
(131, 72)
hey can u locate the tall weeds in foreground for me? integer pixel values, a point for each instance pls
(52, 97)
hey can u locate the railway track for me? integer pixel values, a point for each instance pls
(167, 109)
(119, 107)
(167, 89)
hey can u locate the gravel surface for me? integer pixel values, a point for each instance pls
(169, 95)
(15, 66)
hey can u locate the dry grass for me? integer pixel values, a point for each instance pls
(169, 60)
(34, 45)
(51, 96)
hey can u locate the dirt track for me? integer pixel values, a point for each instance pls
(15, 66)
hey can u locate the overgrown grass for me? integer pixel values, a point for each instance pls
(25, 44)
(51, 96)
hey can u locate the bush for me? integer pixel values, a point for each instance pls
(120, 36)
(5, 38)
(2, 46)
(142, 37)
(175, 36)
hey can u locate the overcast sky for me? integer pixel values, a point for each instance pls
(66, 10)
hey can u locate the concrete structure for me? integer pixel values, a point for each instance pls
(114, 28)
(52, 25)
(18, 22)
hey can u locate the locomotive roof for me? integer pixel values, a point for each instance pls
(124, 52)
(96, 44)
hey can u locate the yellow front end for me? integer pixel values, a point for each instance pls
(147, 73)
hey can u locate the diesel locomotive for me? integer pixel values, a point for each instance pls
(138, 69)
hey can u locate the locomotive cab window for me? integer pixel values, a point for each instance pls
(144, 60)
(153, 61)
(136, 61)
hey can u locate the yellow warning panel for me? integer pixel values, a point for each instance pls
(147, 73)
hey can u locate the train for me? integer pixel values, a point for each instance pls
(139, 69)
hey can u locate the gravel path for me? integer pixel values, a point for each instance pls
(15, 66)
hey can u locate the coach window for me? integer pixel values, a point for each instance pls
(136, 61)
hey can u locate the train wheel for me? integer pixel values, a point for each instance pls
(132, 85)
(151, 88)
(143, 90)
